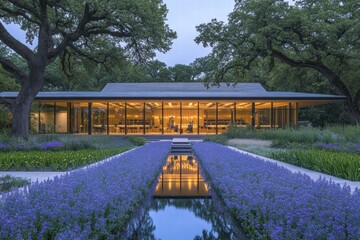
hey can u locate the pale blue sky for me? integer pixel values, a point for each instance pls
(182, 17)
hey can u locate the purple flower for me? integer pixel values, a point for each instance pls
(272, 202)
(92, 203)
(49, 145)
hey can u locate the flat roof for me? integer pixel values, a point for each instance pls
(179, 91)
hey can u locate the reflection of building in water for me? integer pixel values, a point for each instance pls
(181, 177)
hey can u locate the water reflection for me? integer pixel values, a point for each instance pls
(181, 207)
(181, 178)
(183, 219)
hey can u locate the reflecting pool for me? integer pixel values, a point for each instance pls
(182, 207)
(181, 178)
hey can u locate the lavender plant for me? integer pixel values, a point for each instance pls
(270, 202)
(86, 204)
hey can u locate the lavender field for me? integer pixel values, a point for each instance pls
(87, 204)
(270, 202)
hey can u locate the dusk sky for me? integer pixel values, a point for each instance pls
(182, 17)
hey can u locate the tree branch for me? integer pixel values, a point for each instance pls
(333, 79)
(14, 44)
(108, 32)
(18, 13)
(88, 56)
(22, 5)
(72, 37)
(11, 68)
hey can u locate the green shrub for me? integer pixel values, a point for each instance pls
(240, 132)
(54, 161)
(137, 141)
(342, 165)
(7, 183)
(222, 139)
(77, 145)
(350, 133)
(301, 135)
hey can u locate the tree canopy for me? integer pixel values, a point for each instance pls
(311, 34)
(95, 30)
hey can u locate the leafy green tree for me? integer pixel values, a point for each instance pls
(91, 29)
(181, 73)
(312, 34)
(157, 71)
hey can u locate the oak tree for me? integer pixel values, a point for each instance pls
(89, 28)
(320, 35)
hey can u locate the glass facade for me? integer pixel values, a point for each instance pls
(159, 117)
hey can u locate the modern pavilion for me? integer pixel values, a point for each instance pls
(168, 108)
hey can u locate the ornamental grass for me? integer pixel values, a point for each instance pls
(339, 164)
(270, 202)
(36, 160)
(95, 203)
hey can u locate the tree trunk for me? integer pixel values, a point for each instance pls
(20, 118)
(22, 106)
(351, 109)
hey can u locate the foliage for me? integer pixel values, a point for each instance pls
(305, 135)
(222, 139)
(137, 141)
(7, 82)
(68, 142)
(54, 160)
(181, 73)
(92, 203)
(342, 165)
(348, 132)
(8, 183)
(240, 132)
(316, 36)
(270, 202)
(93, 31)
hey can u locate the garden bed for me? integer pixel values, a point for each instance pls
(37, 160)
(95, 203)
(270, 202)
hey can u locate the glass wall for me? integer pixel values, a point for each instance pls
(263, 115)
(172, 120)
(135, 117)
(190, 123)
(157, 117)
(99, 118)
(243, 114)
(208, 117)
(226, 115)
(281, 114)
(61, 117)
(116, 118)
(153, 117)
(79, 115)
(46, 119)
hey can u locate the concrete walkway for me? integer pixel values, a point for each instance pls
(312, 174)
